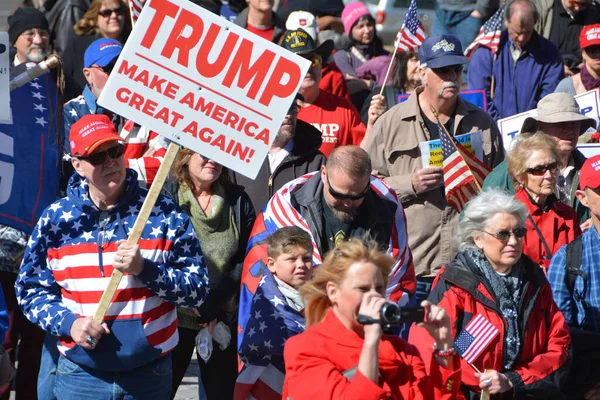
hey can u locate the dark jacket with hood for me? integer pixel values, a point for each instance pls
(278, 23)
(305, 157)
(542, 365)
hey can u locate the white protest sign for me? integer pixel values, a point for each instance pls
(589, 149)
(511, 126)
(431, 151)
(205, 83)
(5, 114)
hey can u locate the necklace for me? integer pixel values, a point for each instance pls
(206, 206)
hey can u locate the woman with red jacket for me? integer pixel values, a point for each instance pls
(534, 166)
(339, 358)
(491, 278)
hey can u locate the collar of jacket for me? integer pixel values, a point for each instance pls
(532, 45)
(412, 110)
(90, 99)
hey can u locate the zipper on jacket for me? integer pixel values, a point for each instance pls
(270, 185)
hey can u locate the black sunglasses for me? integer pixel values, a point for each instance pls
(445, 70)
(503, 236)
(541, 169)
(99, 157)
(342, 196)
(108, 12)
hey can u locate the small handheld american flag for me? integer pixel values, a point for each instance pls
(489, 34)
(463, 172)
(135, 8)
(411, 35)
(474, 338)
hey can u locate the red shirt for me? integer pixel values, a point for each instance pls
(332, 81)
(263, 33)
(336, 118)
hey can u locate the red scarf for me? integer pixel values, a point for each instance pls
(588, 81)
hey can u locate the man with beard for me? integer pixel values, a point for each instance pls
(341, 201)
(294, 152)
(394, 143)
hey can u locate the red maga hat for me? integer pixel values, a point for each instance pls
(90, 132)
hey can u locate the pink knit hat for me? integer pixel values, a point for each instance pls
(352, 13)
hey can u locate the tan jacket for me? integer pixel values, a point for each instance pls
(546, 16)
(393, 145)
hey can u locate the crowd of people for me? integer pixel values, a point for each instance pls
(278, 283)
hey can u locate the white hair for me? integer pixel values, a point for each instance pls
(484, 207)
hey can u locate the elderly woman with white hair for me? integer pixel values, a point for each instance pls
(491, 280)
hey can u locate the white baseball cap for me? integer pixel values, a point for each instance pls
(303, 20)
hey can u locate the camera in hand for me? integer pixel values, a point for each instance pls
(392, 316)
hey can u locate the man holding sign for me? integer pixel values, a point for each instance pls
(69, 260)
(394, 148)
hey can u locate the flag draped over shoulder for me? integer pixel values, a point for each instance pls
(489, 34)
(463, 172)
(474, 338)
(272, 321)
(30, 150)
(279, 212)
(411, 35)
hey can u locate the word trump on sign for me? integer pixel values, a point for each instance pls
(204, 83)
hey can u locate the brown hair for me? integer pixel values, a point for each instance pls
(400, 63)
(88, 24)
(283, 239)
(334, 268)
(525, 143)
(181, 173)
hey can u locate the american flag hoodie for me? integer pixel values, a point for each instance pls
(60, 278)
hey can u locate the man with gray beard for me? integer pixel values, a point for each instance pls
(29, 34)
(294, 152)
(394, 143)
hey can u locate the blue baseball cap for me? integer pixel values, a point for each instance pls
(440, 51)
(102, 52)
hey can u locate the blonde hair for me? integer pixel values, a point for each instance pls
(181, 172)
(334, 269)
(521, 150)
(88, 24)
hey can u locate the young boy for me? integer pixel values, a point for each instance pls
(275, 315)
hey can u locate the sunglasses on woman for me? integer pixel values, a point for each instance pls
(108, 12)
(504, 235)
(457, 69)
(541, 169)
(99, 157)
(342, 196)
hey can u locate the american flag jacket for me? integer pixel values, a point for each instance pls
(68, 263)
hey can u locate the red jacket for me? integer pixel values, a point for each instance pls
(333, 81)
(316, 359)
(543, 364)
(558, 224)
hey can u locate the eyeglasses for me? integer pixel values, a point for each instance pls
(342, 196)
(30, 34)
(315, 59)
(541, 169)
(106, 69)
(503, 236)
(457, 69)
(108, 12)
(98, 158)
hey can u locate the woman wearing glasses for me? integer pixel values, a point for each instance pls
(534, 166)
(104, 19)
(528, 349)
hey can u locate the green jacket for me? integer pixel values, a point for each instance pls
(500, 178)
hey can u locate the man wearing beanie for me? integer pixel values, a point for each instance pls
(29, 34)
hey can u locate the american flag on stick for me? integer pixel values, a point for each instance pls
(489, 34)
(135, 8)
(411, 35)
(463, 172)
(474, 338)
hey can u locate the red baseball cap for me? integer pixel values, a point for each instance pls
(90, 132)
(589, 36)
(589, 176)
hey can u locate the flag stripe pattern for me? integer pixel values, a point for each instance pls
(489, 34)
(411, 35)
(279, 212)
(463, 172)
(272, 321)
(135, 8)
(474, 338)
